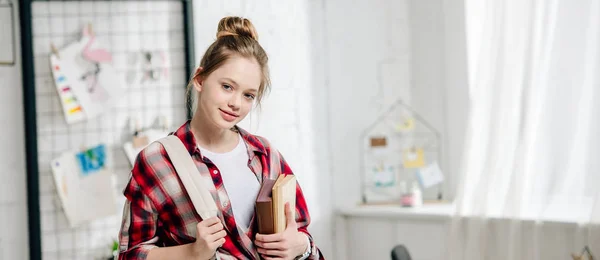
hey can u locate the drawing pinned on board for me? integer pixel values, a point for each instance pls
(148, 66)
(154, 66)
(91, 160)
(71, 106)
(84, 185)
(84, 68)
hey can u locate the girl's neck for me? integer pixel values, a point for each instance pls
(211, 137)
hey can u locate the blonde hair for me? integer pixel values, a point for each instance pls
(235, 36)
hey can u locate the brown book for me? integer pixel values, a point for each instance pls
(264, 208)
(270, 203)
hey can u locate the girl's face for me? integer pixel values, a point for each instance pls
(228, 93)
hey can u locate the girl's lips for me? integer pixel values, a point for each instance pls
(229, 113)
(228, 116)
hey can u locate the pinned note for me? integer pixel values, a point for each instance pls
(378, 141)
(430, 175)
(138, 143)
(406, 125)
(384, 175)
(413, 158)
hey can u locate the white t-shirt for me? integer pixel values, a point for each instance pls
(239, 181)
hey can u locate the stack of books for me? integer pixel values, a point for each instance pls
(270, 203)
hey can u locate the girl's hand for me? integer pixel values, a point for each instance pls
(285, 245)
(210, 236)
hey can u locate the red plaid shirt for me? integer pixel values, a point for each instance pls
(158, 211)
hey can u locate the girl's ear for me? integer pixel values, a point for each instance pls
(197, 79)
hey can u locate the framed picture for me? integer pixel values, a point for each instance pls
(7, 30)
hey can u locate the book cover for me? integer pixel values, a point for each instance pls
(264, 208)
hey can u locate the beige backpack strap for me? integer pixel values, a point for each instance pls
(190, 177)
(197, 187)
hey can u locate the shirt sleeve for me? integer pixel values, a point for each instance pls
(139, 224)
(302, 214)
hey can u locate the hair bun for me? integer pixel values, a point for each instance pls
(236, 26)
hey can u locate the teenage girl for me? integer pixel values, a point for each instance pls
(159, 220)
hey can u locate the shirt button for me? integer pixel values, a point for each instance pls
(216, 172)
(224, 204)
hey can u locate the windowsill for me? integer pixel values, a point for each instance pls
(433, 211)
(427, 212)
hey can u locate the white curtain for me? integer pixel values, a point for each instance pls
(531, 169)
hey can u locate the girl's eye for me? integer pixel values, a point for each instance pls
(250, 96)
(226, 87)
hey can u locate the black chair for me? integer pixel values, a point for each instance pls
(400, 252)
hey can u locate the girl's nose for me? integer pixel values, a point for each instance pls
(234, 102)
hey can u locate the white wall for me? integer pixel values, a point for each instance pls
(428, 35)
(361, 35)
(13, 202)
(455, 75)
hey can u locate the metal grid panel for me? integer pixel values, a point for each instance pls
(127, 27)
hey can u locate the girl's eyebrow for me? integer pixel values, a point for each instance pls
(232, 81)
(235, 83)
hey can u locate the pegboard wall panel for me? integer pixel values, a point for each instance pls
(128, 29)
